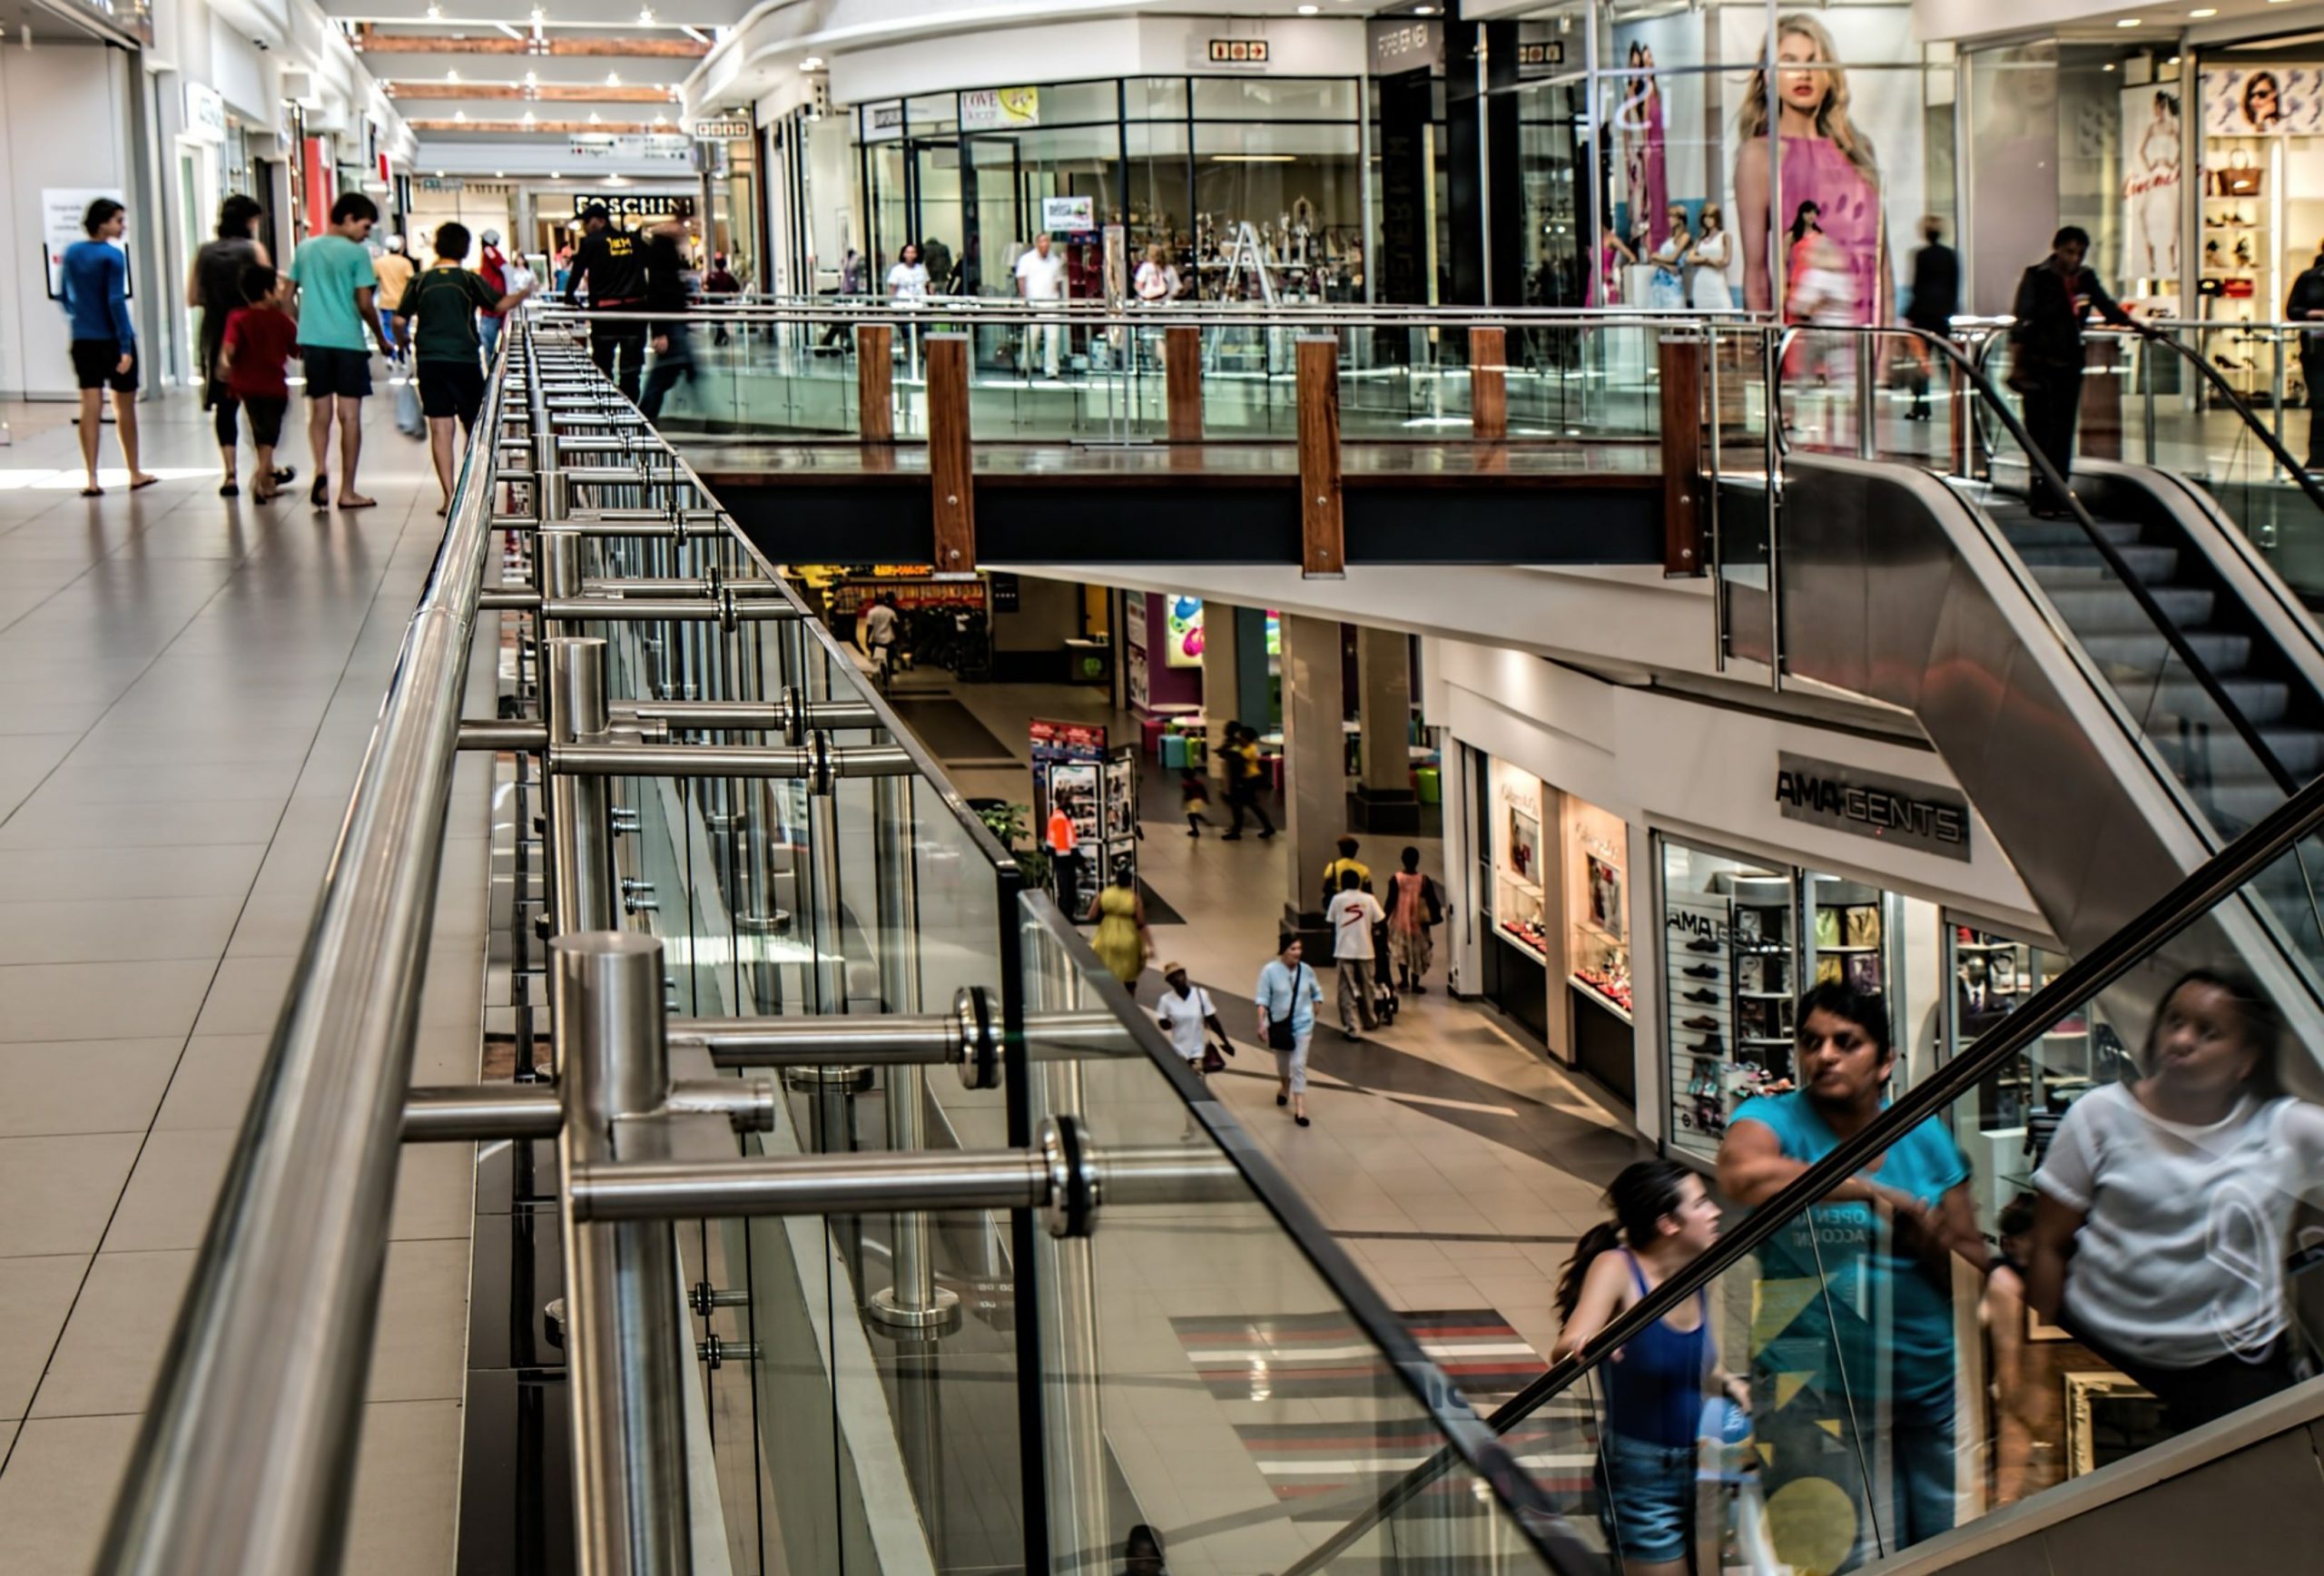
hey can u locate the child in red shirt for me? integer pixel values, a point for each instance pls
(260, 338)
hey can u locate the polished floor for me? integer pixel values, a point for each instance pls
(1454, 1161)
(186, 686)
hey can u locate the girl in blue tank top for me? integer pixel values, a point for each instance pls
(1654, 1387)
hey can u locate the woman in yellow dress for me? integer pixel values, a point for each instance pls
(1122, 942)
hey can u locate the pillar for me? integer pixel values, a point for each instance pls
(1314, 769)
(1222, 684)
(1385, 800)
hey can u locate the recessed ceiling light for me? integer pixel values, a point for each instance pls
(2203, 11)
(2131, 22)
(439, 175)
(539, 15)
(528, 118)
(532, 79)
(1423, 10)
(661, 119)
(1309, 10)
(435, 14)
(594, 118)
(2110, 65)
(451, 76)
(645, 16)
(613, 79)
(500, 174)
(812, 63)
(459, 114)
(2173, 61)
(556, 174)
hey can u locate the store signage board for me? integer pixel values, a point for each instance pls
(635, 204)
(1399, 46)
(205, 113)
(1896, 810)
(884, 123)
(1236, 52)
(1000, 109)
(659, 146)
(721, 131)
(1069, 213)
(61, 208)
(451, 183)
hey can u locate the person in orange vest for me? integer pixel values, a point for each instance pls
(1065, 860)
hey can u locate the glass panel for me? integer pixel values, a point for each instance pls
(1731, 967)
(1160, 98)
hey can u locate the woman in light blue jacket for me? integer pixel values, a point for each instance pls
(1288, 996)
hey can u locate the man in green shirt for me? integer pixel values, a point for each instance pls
(438, 312)
(336, 285)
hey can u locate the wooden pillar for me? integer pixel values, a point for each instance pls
(875, 372)
(1683, 480)
(1488, 384)
(950, 475)
(1322, 539)
(2101, 399)
(1182, 382)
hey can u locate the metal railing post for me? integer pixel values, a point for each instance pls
(580, 821)
(626, 1352)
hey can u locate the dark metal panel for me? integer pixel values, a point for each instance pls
(2256, 1510)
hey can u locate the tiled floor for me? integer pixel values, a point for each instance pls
(1454, 1162)
(186, 686)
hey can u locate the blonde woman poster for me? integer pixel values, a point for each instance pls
(1827, 160)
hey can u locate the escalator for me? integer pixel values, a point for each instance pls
(2120, 690)
(2057, 1447)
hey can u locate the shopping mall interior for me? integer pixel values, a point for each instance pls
(1497, 787)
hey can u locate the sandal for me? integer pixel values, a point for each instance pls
(286, 475)
(93, 492)
(358, 501)
(230, 492)
(137, 481)
(319, 495)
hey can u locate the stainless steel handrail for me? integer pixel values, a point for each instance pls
(245, 1462)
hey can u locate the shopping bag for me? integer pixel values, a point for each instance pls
(409, 421)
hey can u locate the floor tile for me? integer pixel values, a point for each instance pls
(125, 930)
(101, 1001)
(171, 1193)
(213, 1082)
(406, 1513)
(83, 1086)
(420, 1353)
(35, 1296)
(57, 1193)
(58, 1490)
(52, 818)
(51, 875)
(114, 1341)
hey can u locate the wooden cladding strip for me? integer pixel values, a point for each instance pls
(875, 382)
(950, 468)
(546, 93)
(1488, 384)
(371, 43)
(556, 128)
(1182, 382)
(1323, 519)
(1684, 452)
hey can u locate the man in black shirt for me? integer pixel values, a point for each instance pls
(2053, 298)
(1936, 298)
(2307, 306)
(612, 263)
(665, 298)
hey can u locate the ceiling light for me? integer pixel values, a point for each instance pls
(2130, 22)
(451, 76)
(2173, 61)
(532, 79)
(435, 14)
(1309, 10)
(2110, 65)
(812, 63)
(1423, 10)
(556, 174)
(439, 175)
(2203, 11)
(528, 118)
(539, 15)
(645, 16)
(661, 119)
(500, 174)
(459, 114)
(613, 79)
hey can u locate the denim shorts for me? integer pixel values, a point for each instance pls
(1649, 1497)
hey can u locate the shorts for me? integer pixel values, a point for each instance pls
(448, 389)
(1649, 1496)
(331, 370)
(266, 412)
(93, 361)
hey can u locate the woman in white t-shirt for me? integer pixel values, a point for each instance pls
(2164, 1208)
(907, 281)
(1156, 281)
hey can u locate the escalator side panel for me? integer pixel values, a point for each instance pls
(1956, 638)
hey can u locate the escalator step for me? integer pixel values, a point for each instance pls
(2096, 610)
(2066, 565)
(2225, 655)
(2161, 706)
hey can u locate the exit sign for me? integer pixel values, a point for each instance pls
(1238, 51)
(726, 131)
(1540, 54)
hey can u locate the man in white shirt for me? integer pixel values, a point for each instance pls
(1040, 279)
(879, 633)
(1352, 913)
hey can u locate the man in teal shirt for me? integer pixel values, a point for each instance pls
(336, 285)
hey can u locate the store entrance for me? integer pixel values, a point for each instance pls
(935, 181)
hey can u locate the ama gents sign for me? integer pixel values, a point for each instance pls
(1868, 804)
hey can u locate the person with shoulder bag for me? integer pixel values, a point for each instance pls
(1288, 997)
(1415, 908)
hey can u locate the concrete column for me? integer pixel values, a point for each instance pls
(1222, 688)
(1385, 800)
(1314, 775)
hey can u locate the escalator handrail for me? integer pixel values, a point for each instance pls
(1982, 388)
(2080, 982)
(2221, 387)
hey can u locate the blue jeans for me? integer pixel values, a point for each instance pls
(488, 330)
(670, 364)
(1649, 1497)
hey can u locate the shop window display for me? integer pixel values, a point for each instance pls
(1597, 902)
(1729, 981)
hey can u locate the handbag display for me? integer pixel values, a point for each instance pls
(2240, 177)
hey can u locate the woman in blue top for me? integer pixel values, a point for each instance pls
(1288, 997)
(1656, 1384)
(1855, 1352)
(105, 344)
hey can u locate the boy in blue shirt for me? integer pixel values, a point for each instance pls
(104, 343)
(337, 286)
(1853, 1328)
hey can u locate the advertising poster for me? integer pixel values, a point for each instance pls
(1134, 656)
(998, 109)
(1182, 632)
(2151, 184)
(1069, 215)
(2271, 100)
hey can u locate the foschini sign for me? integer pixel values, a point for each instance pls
(1893, 809)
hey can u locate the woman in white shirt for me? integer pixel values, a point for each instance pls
(1157, 281)
(907, 281)
(1706, 264)
(2164, 1208)
(1667, 290)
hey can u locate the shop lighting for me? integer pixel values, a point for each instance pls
(435, 14)
(594, 118)
(528, 118)
(1309, 10)
(812, 63)
(2110, 65)
(2173, 61)
(645, 16)
(460, 114)
(439, 175)
(1253, 159)
(500, 174)
(613, 79)
(1423, 10)
(2131, 22)
(539, 16)
(661, 119)
(451, 76)
(2203, 11)
(532, 79)
(556, 174)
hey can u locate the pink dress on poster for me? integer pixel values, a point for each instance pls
(1849, 211)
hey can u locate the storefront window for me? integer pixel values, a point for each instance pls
(1278, 210)
(1730, 977)
(1598, 901)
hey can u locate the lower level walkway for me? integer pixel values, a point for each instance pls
(1455, 1163)
(187, 684)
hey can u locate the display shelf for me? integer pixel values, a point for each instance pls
(1764, 995)
(1618, 1009)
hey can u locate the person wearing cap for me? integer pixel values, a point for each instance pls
(492, 268)
(1184, 1011)
(610, 265)
(395, 269)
